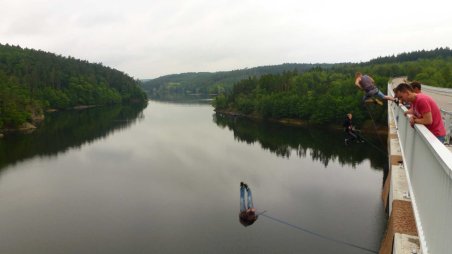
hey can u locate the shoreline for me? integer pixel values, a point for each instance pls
(31, 125)
(367, 126)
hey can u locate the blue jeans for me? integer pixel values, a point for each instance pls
(442, 138)
(243, 205)
(375, 92)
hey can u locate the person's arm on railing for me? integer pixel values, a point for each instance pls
(425, 120)
(409, 111)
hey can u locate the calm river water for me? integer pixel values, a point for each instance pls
(166, 180)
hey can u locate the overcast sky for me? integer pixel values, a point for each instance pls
(150, 38)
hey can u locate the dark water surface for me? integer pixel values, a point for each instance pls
(166, 180)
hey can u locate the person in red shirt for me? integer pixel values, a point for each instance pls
(424, 109)
(416, 89)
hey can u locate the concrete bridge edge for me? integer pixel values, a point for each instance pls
(401, 233)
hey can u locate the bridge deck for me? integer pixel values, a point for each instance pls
(443, 99)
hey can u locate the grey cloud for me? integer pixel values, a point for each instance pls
(151, 38)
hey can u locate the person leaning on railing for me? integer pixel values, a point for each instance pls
(417, 86)
(416, 89)
(424, 110)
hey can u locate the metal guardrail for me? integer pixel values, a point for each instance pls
(428, 165)
(447, 119)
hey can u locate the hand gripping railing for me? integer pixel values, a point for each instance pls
(428, 165)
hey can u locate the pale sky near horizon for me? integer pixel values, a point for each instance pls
(150, 38)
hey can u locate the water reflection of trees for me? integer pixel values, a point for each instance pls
(321, 144)
(186, 99)
(69, 129)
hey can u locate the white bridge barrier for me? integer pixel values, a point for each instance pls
(428, 164)
(447, 119)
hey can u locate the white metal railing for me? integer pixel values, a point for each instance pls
(428, 165)
(447, 119)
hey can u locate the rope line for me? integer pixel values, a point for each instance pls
(375, 126)
(317, 234)
(375, 146)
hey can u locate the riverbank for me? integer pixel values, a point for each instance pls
(367, 126)
(27, 127)
(36, 119)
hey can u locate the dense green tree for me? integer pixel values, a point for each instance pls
(411, 64)
(325, 95)
(215, 82)
(31, 80)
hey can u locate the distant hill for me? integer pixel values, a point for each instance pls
(413, 56)
(215, 82)
(218, 82)
(33, 80)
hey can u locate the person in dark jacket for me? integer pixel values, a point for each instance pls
(366, 83)
(350, 133)
(247, 215)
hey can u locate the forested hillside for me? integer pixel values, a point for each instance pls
(33, 80)
(324, 96)
(413, 56)
(214, 82)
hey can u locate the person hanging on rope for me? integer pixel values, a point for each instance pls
(424, 109)
(247, 215)
(366, 83)
(350, 133)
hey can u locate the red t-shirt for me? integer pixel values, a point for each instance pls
(424, 104)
